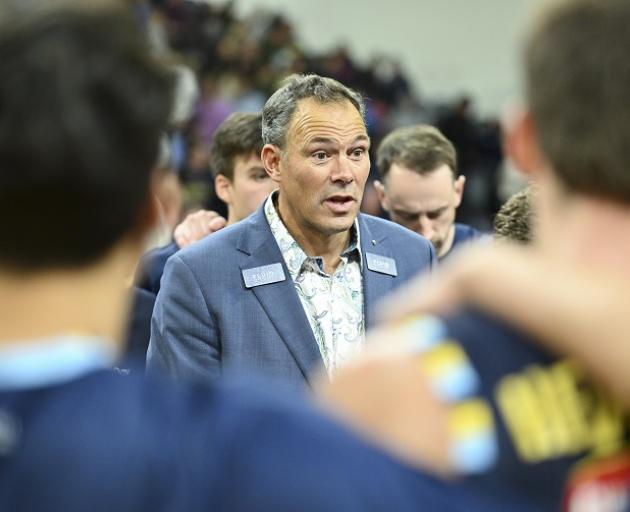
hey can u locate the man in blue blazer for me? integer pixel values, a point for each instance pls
(292, 286)
(73, 435)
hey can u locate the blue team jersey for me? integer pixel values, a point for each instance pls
(463, 235)
(550, 440)
(105, 442)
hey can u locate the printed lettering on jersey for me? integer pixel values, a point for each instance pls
(551, 412)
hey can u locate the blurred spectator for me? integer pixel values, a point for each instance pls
(242, 60)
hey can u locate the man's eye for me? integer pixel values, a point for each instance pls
(261, 176)
(320, 155)
(435, 215)
(358, 152)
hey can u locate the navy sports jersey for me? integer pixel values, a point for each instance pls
(151, 267)
(556, 436)
(463, 234)
(103, 442)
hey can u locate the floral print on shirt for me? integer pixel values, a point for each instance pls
(333, 303)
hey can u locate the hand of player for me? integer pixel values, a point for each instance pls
(196, 226)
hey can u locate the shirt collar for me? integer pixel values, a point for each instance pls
(37, 363)
(294, 256)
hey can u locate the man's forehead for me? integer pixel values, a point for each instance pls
(313, 120)
(401, 173)
(246, 161)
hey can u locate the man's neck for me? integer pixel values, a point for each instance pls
(448, 242)
(589, 232)
(231, 218)
(35, 306)
(314, 242)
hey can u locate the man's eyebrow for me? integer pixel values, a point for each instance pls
(329, 141)
(361, 138)
(399, 211)
(320, 140)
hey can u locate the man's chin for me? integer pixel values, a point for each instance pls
(339, 224)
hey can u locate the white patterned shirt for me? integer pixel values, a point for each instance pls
(333, 303)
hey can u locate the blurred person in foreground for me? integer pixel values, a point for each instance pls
(240, 181)
(291, 288)
(420, 187)
(524, 424)
(82, 110)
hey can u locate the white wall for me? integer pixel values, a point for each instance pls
(446, 46)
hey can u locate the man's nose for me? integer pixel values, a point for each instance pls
(425, 227)
(342, 170)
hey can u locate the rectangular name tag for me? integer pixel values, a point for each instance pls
(266, 274)
(381, 264)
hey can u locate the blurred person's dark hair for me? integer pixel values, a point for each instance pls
(278, 110)
(580, 110)
(81, 113)
(514, 219)
(240, 135)
(420, 148)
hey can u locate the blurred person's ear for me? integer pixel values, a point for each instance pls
(380, 193)
(271, 157)
(161, 214)
(148, 232)
(458, 185)
(521, 144)
(223, 189)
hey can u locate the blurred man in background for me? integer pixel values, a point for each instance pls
(516, 219)
(420, 187)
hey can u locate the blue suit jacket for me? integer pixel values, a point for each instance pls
(206, 321)
(151, 267)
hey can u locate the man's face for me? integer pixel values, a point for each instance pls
(250, 186)
(424, 203)
(323, 168)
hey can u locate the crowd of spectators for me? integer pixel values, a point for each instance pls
(237, 62)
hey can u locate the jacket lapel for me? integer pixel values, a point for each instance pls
(280, 299)
(375, 284)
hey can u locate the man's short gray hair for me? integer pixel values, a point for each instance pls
(279, 108)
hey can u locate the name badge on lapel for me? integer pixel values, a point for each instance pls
(266, 274)
(381, 264)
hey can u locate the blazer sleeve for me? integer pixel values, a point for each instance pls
(184, 340)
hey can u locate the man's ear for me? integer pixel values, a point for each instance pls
(520, 143)
(223, 189)
(152, 213)
(458, 185)
(380, 193)
(271, 157)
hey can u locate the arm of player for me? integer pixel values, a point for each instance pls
(577, 312)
